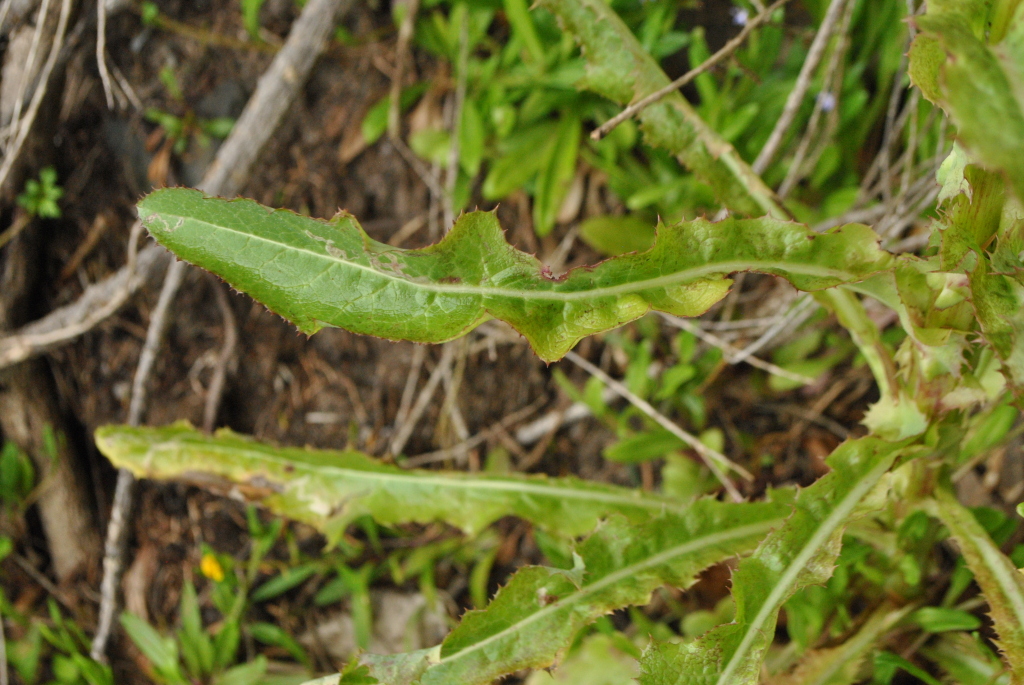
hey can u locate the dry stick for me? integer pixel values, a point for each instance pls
(25, 124)
(726, 50)
(401, 54)
(714, 459)
(803, 82)
(409, 392)
(3, 654)
(833, 81)
(101, 51)
(276, 90)
(461, 450)
(220, 371)
(731, 352)
(794, 317)
(405, 430)
(30, 61)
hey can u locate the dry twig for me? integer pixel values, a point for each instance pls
(404, 430)
(220, 371)
(803, 82)
(277, 89)
(730, 47)
(714, 459)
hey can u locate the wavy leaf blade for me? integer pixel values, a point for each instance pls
(800, 553)
(327, 488)
(1000, 581)
(533, 620)
(980, 85)
(318, 273)
(621, 70)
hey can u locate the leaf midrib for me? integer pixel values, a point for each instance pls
(693, 273)
(616, 577)
(823, 532)
(412, 477)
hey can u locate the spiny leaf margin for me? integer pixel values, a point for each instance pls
(317, 273)
(533, 620)
(329, 488)
(800, 553)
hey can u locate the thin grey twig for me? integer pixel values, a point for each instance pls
(412, 8)
(419, 352)
(405, 430)
(216, 390)
(459, 451)
(803, 82)
(731, 353)
(101, 51)
(714, 459)
(3, 654)
(25, 123)
(794, 317)
(228, 173)
(730, 47)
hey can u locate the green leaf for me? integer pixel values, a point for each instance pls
(800, 553)
(841, 665)
(318, 273)
(556, 174)
(1000, 582)
(940, 619)
(270, 634)
(532, 621)
(161, 651)
(981, 86)
(615, 235)
(196, 645)
(329, 489)
(243, 674)
(621, 70)
(967, 660)
(290, 578)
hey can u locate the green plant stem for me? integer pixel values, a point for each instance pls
(852, 315)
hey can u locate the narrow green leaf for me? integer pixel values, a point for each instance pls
(1000, 582)
(800, 553)
(841, 665)
(533, 620)
(620, 69)
(329, 489)
(318, 273)
(967, 660)
(555, 177)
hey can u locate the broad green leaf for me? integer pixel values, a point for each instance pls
(621, 70)
(981, 86)
(533, 620)
(328, 489)
(318, 273)
(999, 580)
(841, 665)
(800, 553)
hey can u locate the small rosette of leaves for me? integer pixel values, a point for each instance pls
(330, 273)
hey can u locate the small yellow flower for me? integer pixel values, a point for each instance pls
(211, 568)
